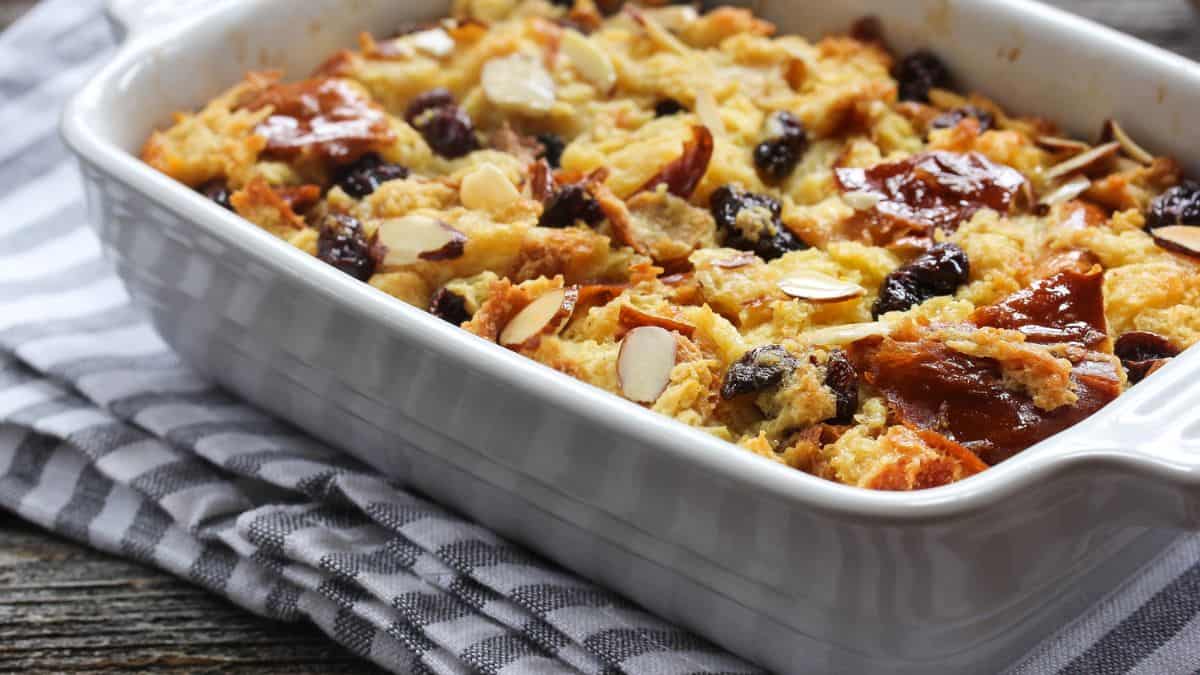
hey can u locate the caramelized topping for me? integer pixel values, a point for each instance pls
(1065, 307)
(326, 116)
(682, 175)
(930, 190)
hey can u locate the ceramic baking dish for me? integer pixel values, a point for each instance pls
(795, 573)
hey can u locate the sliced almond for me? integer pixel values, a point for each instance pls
(412, 238)
(739, 260)
(487, 189)
(709, 113)
(1067, 191)
(1058, 144)
(546, 315)
(817, 287)
(655, 31)
(519, 83)
(633, 317)
(593, 64)
(1084, 162)
(1179, 238)
(645, 363)
(435, 42)
(674, 18)
(1113, 131)
(845, 333)
(861, 200)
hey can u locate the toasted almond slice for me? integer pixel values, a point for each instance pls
(674, 18)
(435, 42)
(593, 64)
(817, 287)
(1058, 144)
(546, 315)
(633, 317)
(487, 189)
(1114, 132)
(709, 113)
(1179, 238)
(412, 238)
(645, 362)
(1067, 191)
(519, 83)
(739, 260)
(845, 333)
(861, 200)
(656, 32)
(1083, 162)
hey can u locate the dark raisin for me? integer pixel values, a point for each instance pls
(668, 107)
(430, 100)
(759, 369)
(938, 271)
(552, 149)
(370, 171)
(761, 231)
(217, 191)
(563, 3)
(919, 72)
(842, 378)
(343, 244)
(778, 155)
(1178, 206)
(449, 132)
(950, 119)
(1142, 352)
(449, 307)
(569, 204)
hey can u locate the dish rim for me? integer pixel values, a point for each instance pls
(1073, 449)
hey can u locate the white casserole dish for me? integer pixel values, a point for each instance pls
(795, 573)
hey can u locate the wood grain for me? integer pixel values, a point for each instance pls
(64, 607)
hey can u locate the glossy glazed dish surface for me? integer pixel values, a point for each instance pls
(821, 251)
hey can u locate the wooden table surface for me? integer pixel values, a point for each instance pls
(64, 607)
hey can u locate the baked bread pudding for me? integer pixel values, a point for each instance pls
(818, 251)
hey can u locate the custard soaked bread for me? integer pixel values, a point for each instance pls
(817, 251)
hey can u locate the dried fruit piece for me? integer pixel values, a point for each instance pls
(487, 189)
(1113, 132)
(411, 238)
(844, 334)
(546, 315)
(645, 362)
(842, 378)
(752, 222)
(449, 307)
(1183, 239)
(817, 287)
(668, 107)
(1065, 307)
(682, 175)
(325, 116)
(552, 149)
(570, 204)
(431, 100)
(361, 178)
(218, 192)
(1083, 162)
(919, 72)
(759, 369)
(449, 132)
(1178, 206)
(777, 156)
(1143, 352)
(938, 271)
(632, 317)
(518, 83)
(951, 118)
(342, 243)
(593, 64)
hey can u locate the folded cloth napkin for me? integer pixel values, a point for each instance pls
(106, 438)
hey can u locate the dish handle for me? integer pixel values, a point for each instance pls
(129, 17)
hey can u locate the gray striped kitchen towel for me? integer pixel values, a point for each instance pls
(106, 438)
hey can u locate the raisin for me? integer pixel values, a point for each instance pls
(760, 231)
(430, 100)
(1142, 352)
(919, 72)
(449, 307)
(568, 204)
(777, 156)
(759, 369)
(1178, 206)
(668, 107)
(938, 271)
(343, 244)
(370, 171)
(552, 149)
(842, 378)
(217, 191)
(950, 119)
